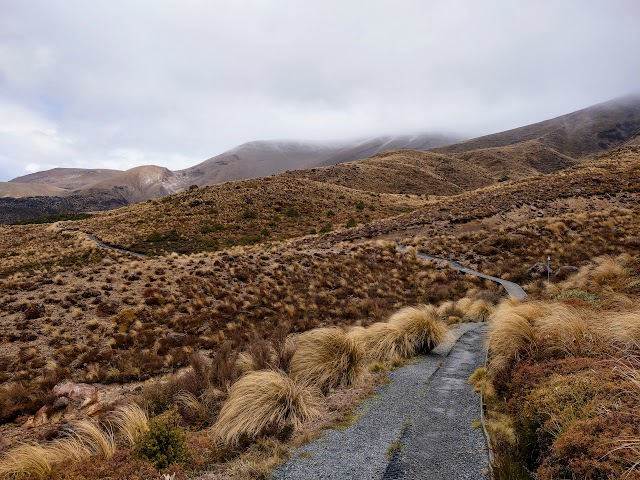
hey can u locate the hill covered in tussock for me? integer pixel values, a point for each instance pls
(241, 213)
(430, 173)
(610, 181)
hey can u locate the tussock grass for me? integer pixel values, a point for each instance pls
(28, 459)
(327, 358)
(510, 335)
(86, 439)
(479, 311)
(568, 332)
(261, 401)
(421, 329)
(131, 421)
(381, 341)
(408, 332)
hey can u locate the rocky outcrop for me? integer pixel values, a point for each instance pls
(83, 392)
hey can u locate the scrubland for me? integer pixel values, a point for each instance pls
(201, 331)
(246, 212)
(233, 357)
(562, 378)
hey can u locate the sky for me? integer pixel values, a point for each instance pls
(117, 84)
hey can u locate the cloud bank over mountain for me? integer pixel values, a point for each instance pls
(121, 84)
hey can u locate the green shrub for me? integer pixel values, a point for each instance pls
(351, 223)
(326, 228)
(581, 294)
(211, 227)
(292, 212)
(249, 214)
(360, 205)
(165, 442)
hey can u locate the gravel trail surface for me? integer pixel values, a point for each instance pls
(417, 426)
(513, 289)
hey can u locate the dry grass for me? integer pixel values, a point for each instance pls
(381, 341)
(85, 439)
(478, 311)
(326, 358)
(422, 328)
(130, 421)
(262, 401)
(25, 460)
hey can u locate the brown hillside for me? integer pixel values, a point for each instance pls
(585, 132)
(605, 184)
(405, 171)
(241, 213)
(68, 178)
(19, 190)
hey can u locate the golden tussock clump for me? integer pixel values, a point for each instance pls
(85, 440)
(261, 401)
(131, 421)
(326, 358)
(410, 331)
(381, 341)
(567, 331)
(479, 311)
(28, 459)
(510, 334)
(421, 327)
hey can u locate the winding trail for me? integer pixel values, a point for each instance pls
(418, 426)
(513, 289)
(106, 246)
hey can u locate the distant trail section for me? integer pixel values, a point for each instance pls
(418, 426)
(513, 289)
(105, 246)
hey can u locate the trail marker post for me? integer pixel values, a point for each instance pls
(548, 269)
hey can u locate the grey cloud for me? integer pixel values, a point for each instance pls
(119, 83)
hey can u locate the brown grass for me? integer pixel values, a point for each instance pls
(326, 358)
(382, 341)
(130, 421)
(422, 328)
(85, 439)
(263, 401)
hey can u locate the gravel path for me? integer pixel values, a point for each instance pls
(418, 426)
(513, 289)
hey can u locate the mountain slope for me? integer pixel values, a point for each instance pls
(68, 178)
(585, 132)
(137, 184)
(263, 158)
(431, 173)
(18, 190)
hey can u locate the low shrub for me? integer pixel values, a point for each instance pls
(165, 442)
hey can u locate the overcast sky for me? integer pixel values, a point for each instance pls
(116, 84)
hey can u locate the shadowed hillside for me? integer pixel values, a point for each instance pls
(586, 132)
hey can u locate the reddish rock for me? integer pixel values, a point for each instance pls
(42, 415)
(538, 270)
(84, 392)
(60, 403)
